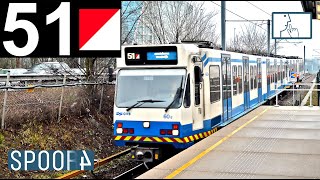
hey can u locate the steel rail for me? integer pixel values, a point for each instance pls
(96, 164)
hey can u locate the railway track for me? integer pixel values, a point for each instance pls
(287, 98)
(97, 164)
(132, 173)
(102, 174)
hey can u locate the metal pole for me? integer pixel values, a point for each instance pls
(275, 46)
(311, 99)
(102, 89)
(293, 94)
(310, 105)
(268, 37)
(300, 100)
(62, 92)
(234, 35)
(276, 99)
(223, 25)
(5, 101)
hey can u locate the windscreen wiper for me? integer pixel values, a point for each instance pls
(143, 101)
(177, 95)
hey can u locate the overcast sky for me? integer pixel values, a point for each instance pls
(250, 12)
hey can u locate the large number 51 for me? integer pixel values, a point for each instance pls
(62, 13)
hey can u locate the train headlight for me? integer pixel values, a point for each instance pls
(175, 132)
(119, 130)
(146, 124)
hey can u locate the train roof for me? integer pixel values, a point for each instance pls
(191, 45)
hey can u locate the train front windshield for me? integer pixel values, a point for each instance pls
(156, 88)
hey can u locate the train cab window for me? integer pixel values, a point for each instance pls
(240, 78)
(235, 79)
(251, 77)
(214, 76)
(187, 99)
(197, 81)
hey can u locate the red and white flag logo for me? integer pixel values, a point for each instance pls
(99, 29)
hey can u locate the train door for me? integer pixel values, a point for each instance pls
(226, 87)
(246, 92)
(198, 108)
(259, 81)
(268, 77)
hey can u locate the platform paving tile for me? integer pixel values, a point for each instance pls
(271, 164)
(282, 143)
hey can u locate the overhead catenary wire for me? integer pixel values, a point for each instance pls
(269, 15)
(259, 8)
(249, 20)
(316, 51)
(239, 16)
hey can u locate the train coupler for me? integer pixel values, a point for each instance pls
(144, 154)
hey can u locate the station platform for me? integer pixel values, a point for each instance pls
(269, 142)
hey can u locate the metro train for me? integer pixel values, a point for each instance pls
(173, 95)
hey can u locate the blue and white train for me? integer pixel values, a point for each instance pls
(176, 94)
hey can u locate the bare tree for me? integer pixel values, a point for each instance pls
(130, 15)
(172, 21)
(252, 40)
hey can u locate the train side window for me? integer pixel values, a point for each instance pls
(251, 77)
(214, 76)
(197, 81)
(234, 77)
(280, 70)
(279, 74)
(255, 77)
(240, 78)
(271, 73)
(274, 73)
(187, 99)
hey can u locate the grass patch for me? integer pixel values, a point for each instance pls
(31, 124)
(1, 138)
(314, 99)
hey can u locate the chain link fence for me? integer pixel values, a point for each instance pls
(53, 103)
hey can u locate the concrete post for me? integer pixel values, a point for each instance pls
(61, 99)
(5, 101)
